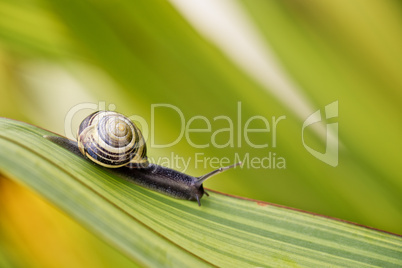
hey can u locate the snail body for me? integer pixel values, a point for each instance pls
(111, 140)
(167, 181)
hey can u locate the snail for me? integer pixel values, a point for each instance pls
(113, 141)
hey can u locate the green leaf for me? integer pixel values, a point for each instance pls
(156, 230)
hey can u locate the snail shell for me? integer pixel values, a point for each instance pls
(112, 140)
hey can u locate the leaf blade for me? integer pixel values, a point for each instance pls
(158, 230)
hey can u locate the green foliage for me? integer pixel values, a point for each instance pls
(55, 54)
(157, 230)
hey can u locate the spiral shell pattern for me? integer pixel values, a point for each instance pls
(110, 139)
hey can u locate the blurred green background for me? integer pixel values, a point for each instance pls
(277, 58)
